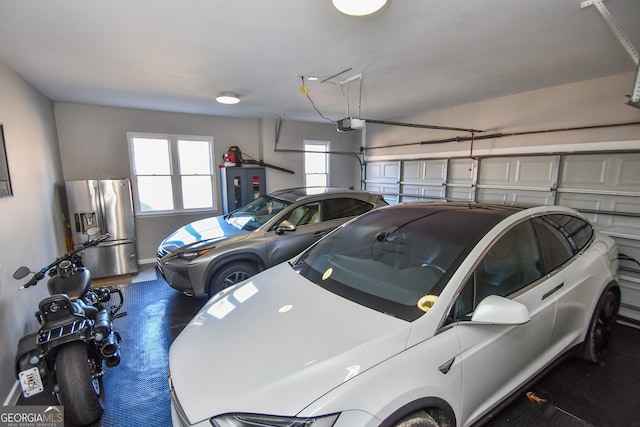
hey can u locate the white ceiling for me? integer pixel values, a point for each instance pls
(414, 55)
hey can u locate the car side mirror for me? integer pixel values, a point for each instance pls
(497, 310)
(285, 226)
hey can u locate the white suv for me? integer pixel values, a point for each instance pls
(410, 315)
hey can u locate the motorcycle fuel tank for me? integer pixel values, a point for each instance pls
(74, 285)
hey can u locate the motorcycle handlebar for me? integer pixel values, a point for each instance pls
(34, 280)
(69, 255)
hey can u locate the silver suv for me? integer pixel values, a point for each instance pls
(206, 256)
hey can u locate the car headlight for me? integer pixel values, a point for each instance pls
(250, 420)
(189, 255)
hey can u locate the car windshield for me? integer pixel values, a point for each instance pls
(256, 213)
(396, 261)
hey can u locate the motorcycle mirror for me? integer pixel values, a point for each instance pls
(21, 273)
(93, 231)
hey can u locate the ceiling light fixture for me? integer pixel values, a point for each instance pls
(359, 7)
(227, 98)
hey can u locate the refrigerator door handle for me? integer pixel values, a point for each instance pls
(102, 214)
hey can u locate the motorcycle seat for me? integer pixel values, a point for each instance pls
(58, 309)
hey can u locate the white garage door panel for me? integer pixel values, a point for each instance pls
(606, 188)
(389, 191)
(630, 297)
(425, 171)
(383, 171)
(383, 178)
(581, 201)
(583, 171)
(462, 193)
(411, 193)
(522, 196)
(461, 179)
(629, 277)
(615, 221)
(618, 172)
(461, 171)
(423, 179)
(496, 171)
(533, 172)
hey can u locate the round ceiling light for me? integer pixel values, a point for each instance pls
(359, 7)
(227, 98)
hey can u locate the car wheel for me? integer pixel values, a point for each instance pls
(230, 275)
(596, 343)
(417, 419)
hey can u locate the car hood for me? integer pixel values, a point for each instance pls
(274, 344)
(205, 230)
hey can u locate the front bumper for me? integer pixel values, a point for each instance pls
(178, 417)
(176, 276)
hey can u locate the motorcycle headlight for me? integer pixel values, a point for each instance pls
(250, 420)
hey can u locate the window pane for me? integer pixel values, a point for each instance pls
(319, 180)
(556, 250)
(512, 263)
(151, 156)
(194, 157)
(315, 147)
(155, 193)
(197, 192)
(315, 162)
(343, 208)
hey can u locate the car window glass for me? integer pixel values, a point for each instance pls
(310, 213)
(256, 213)
(511, 263)
(344, 208)
(556, 249)
(395, 261)
(577, 231)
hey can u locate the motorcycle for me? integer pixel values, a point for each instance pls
(75, 340)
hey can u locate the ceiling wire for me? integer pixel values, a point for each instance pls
(304, 90)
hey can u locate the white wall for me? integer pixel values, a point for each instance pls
(93, 145)
(31, 221)
(344, 167)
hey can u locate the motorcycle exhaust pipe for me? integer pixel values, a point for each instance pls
(102, 326)
(113, 360)
(110, 346)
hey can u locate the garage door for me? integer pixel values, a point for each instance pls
(605, 187)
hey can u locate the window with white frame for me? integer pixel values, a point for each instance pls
(171, 173)
(316, 163)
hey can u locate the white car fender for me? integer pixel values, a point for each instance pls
(407, 377)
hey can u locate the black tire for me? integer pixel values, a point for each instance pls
(231, 274)
(417, 419)
(77, 391)
(596, 343)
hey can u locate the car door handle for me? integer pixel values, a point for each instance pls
(552, 291)
(319, 233)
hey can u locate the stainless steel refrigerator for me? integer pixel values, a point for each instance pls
(106, 204)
